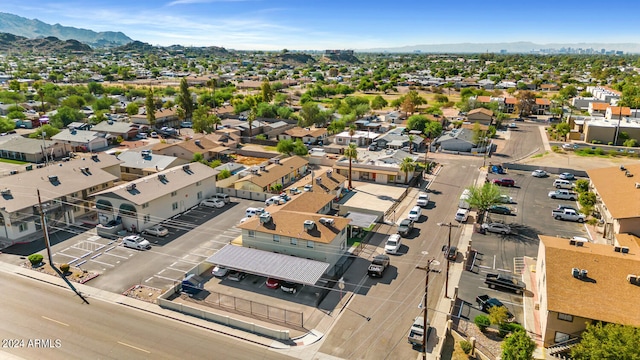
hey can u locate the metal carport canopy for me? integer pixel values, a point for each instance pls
(269, 264)
(361, 220)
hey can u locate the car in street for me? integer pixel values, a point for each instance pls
(307, 187)
(156, 230)
(219, 271)
(393, 244)
(235, 275)
(513, 125)
(570, 147)
(486, 303)
(462, 215)
(504, 182)
(539, 173)
(289, 287)
(451, 253)
(414, 213)
(212, 203)
(423, 199)
(567, 176)
(405, 227)
(495, 227)
(136, 242)
(272, 283)
(499, 209)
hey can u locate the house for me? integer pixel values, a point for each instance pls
(618, 194)
(581, 282)
(604, 131)
(16, 147)
(398, 139)
(65, 190)
(203, 145)
(378, 166)
(549, 87)
(597, 108)
(542, 106)
(308, 202)
(81, 140)
(164, 117)
(617, 112)
(328, 182)
(138, 164)
(604, 94)
(281, 173)
(304, 235)
(144, 202)
(510, 105)
(582, 103)
(457, 140)
(360, 138)
(306, 135)
(116, 129)
(480, 115)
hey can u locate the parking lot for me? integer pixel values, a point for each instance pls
(503, 253)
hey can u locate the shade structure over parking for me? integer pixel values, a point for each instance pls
(269, 264)
(362, 220)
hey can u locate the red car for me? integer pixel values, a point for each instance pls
(503, 182)
(272, 283)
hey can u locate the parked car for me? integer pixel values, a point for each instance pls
(289, 287)
(539, 173)
(212, 203)
(219, 271)
(136, 242)
(506, 199)
(235, 275)
(405, 227)
(274, 200)
(393, 244)
(414, 213)
(563, 194)
(486, 303)
(251, 211)
(423, 199)
(378, 265)
(567, 176)
(462, 215)
(451, 253)
(308, 187)
(154, 135)
(186, 124)
(504, 182)
(563, 184)
(505, 282)
(499, 209)
(156, 230)
(272, 283)
(513, 125)
(495, 227)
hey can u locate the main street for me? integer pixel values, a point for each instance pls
(44, 321)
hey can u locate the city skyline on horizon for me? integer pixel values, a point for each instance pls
(269, 25)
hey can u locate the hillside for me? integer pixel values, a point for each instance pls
(10, 43)
(33, 28)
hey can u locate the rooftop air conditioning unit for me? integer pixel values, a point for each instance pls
(575, 272)
(94, 157)
(145, 153)
(162, 177)
(263, 168)
(624, 250)
(265, 218)
(637, 185)
(130, 187)
(633, 279)
(583, 273)
(319, 180)
(5, 192)
(309, 225)
(329, 172)
(197, 142)
(53, 178)
(277, 161)
(327, 221)
(186, 168)
(254, 170)
(617, 249)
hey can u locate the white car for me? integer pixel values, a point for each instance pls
(539, 173)
(274, 200)
(219, 271)
(513, 125)
(308, 187)
(462, 215)
(567, 176)
(212, 203)
(496, 228)
(506, 199)
(423, 199)
(414, 214)
(393, 244)
(156, 230)
(136, 242)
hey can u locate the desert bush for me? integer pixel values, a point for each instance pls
(482, 322)
(35, 259)
(64, 268)
(465, 346)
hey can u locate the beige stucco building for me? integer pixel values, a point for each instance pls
(280, 172)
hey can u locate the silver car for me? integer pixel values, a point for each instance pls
(498, 228)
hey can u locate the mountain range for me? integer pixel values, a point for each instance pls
(33, 28)
(510, 47)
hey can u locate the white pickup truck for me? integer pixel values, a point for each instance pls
(563, 194)
(416, 333)
(568, 214)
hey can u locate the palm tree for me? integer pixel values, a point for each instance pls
(252, 116)
(411, 138)
(407, 165)
(351, 152)
(352, 131)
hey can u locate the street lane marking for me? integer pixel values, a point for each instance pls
(134, 347)
(55, 321)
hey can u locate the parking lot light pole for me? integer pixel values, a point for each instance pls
(446, 279)
(424, 308)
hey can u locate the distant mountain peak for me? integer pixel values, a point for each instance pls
(34, 28)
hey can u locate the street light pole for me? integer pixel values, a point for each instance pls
(44, 148)
(446, 279)
(424, 309)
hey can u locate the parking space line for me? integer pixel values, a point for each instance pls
(114, 255)
(63, 254)
(94, 238)
(149, 279)
(165, 278)
(161, 271)
(101, 263)
(174, 269)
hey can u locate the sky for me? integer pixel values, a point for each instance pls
(346, 24)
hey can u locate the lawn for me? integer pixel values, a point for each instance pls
(17, 162)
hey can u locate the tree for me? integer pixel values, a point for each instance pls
(203, 120)
(582, 185)
(95, 88)
(266, 90)
(518, 346)
(630, 143)
(65, 116)
(223, 174)
(6, 125)
(299, 148)
(285, 146)
(417, 122)
(562, 130)
(407, 166)
(433, 129)
(48, 129)
(150, 108)
(482, 197)
(133, 108)
(610, 341)
(526, 102)
(498, 315)
(351, 153)
(184, 99)
(411, 138)
(309, 113)
(253, 114)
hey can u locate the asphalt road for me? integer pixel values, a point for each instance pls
(48, 322)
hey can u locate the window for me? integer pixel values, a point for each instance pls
(147, 218)
(252, 233)
(310, 244)
(343, 245)
(294, 241)
(560, 337)
(23, 227)
(342, 232)
(76, 208)
(74, 195)
(174, 193)
(145, 205)
(198, 183)
(276, 238)
(565, 317)
(174, 206)
(199, 195)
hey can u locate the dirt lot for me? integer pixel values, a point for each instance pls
(249, 161)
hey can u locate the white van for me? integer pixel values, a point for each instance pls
(274, 200)
(563, 184)
(221, 197)
(253, 212)
(463, 203)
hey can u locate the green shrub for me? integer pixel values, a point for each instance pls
(465, 346)
(596, 142)
(64, 268)
(587, 199)
(582, 185)
(599, 151)
(482, 322)
(556, 148)
(503, 330)
(592, 221)
(35, 259)
(610, 143)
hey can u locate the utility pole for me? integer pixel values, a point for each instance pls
(446, 279)
(424, 308)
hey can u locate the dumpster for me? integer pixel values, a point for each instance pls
(192, 284)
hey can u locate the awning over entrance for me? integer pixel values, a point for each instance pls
(269, 264)
(361, 220)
